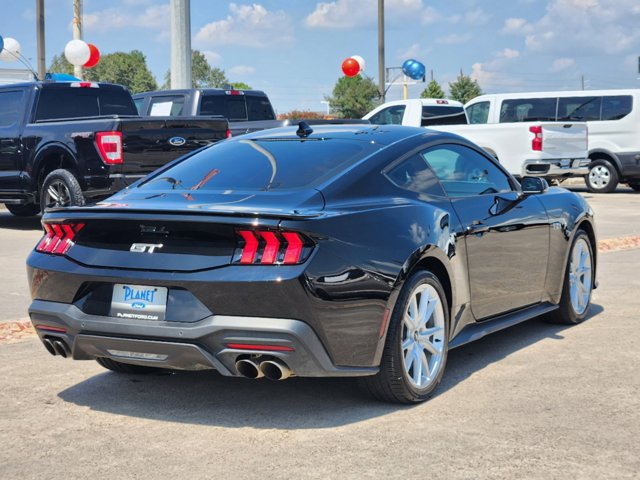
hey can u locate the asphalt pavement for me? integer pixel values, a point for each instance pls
(536, 401)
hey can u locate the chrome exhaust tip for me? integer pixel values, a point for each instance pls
(275, 370)
(248, 368)
(48, 344)
(61, 348)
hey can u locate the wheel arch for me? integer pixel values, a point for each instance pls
(586, 225)
(52, 158)
(602, 154)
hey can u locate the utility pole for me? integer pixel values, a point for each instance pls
(42, 63)
(582, 77)
(77, 31)
(381, 69)
(180, 43)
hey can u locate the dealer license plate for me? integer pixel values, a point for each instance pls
(138, 302)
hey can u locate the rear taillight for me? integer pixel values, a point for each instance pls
(110, 147)
(536, 143)
(58, 237)
(271, 247)
(229, 134)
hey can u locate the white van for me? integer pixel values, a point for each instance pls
(613, 118)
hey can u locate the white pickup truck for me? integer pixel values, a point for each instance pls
(554, 150)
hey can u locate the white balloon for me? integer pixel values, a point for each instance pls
(11, 50)
(360, 61)
(77, 52)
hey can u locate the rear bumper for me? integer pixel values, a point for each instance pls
(194, 346)
(578, 167)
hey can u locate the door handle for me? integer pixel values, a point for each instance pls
(477, 227)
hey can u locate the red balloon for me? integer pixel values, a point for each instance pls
(350, 67)
(94, 56)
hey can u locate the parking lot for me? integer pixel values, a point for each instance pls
(536, 401)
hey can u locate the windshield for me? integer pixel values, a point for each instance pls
(262, 164)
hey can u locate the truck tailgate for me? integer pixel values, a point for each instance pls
(150, 143)
(564, 139)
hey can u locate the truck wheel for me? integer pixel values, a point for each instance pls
(23, 210)
(602, 178)
(60, 189)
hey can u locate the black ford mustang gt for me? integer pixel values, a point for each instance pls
(364, 251)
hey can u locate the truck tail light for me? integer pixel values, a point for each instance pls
(58, 237)
(271, 247)
(229, 134)
(536, 142)
(110, 147)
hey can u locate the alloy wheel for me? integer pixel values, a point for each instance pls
(423, 336)
(580, 277)
(57, 194)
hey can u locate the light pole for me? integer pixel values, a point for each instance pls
(381, 69)
(42, 66)
(328, 106)
(180, 43)
(77, 31)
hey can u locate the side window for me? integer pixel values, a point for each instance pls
(389, 116)
(463, 172)
(414, 174)
(478, 112)
(10, 108)
(138, 103)
(580, 109)
(615, 107)
(528, 110)
(166, 106)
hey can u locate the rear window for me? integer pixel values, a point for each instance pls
(442, 115)
(261, 165)
(615, 107)
(58, 103)
(166, 106)
(259, 108)
(233, 107)
(528, 110)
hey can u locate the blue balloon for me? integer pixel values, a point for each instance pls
(1, 43)
(413, 69)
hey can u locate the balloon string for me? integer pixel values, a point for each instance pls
(23, 61)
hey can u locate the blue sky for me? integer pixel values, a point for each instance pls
(293, 49)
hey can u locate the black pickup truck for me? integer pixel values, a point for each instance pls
(67, 143)
(246, 110)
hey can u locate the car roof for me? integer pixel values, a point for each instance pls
(380, 134)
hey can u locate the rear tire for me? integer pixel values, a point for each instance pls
(602, 177)
(28, 210)
(60, 189)
(578, 283)
(125, 367)
(415, 352)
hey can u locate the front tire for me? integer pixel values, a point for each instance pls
(28, 210)
(578, 283)
(415, 352)
(602, 177)
(60, 189)
(127, 368)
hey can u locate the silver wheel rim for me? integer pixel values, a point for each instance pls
(580, 282)
(57, 195)
(423, 336)
(599, 176)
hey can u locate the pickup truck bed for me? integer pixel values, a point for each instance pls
(71, 143)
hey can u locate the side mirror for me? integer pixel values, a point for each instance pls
(533, 185)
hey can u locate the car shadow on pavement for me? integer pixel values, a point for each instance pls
(11, 222)
(207, 398)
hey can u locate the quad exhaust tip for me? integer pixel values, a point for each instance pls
(249, 369)
(275, 369)
(48, 344)
(56, 346)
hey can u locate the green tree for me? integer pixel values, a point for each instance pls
(353, 97)
(128, 69)
(59, 64)
(241, 86)
(433, 90)
(203, 75)
(464, 88)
